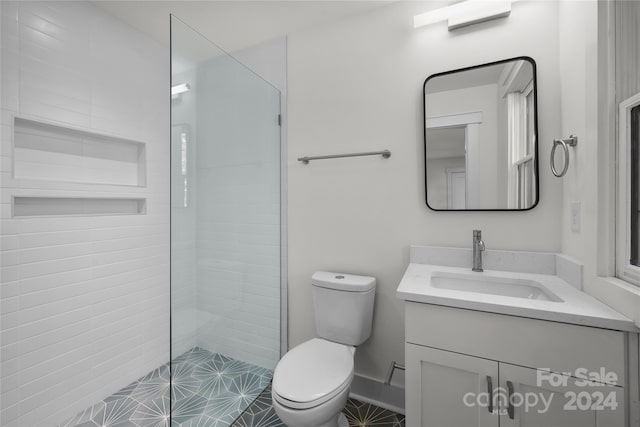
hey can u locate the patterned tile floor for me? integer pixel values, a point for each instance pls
(209, 390)
(261, 414)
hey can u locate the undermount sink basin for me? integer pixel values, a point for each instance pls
(486, 284)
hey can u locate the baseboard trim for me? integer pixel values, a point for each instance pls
(375, 392)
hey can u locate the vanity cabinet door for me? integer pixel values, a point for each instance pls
(446, 389)
(558, 401)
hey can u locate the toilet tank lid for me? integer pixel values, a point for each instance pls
(342, 281)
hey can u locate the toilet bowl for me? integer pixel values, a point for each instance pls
(311, 382)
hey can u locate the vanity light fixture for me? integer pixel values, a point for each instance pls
(465, 13)
(179, 88)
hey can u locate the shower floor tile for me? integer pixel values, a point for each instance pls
(208, 390)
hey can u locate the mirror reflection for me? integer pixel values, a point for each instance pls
(480, 137)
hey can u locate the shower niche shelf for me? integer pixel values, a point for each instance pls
(76, 206)
(44, 151)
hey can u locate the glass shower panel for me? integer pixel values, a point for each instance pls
(225, 230)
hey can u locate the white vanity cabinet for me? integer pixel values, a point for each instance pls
(572, 403)
(437, 382)
(458, 359)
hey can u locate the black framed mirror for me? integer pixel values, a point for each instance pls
(480, 137)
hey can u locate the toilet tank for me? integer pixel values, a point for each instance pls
(343, 306)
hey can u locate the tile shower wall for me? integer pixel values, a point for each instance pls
(225, 233)
(238, 217)
(84, 299)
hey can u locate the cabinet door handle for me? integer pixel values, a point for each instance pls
(510, 409)
(490, 391)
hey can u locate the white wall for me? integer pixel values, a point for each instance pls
(356, 85)
(587, 62)
(578, 65)
(84, 299)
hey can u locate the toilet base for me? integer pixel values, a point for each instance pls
(339, 421)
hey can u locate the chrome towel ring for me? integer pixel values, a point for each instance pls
(572, 141)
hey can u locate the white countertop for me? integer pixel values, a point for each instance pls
(577, 307)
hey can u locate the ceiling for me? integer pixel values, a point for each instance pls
(234, 24)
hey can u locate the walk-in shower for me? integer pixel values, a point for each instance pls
(140, 227)
(225, 314)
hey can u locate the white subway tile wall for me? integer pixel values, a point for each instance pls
(238, 214)
(84, 300)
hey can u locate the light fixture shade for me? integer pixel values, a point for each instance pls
(180, 88)
(478, 12)
(465, 13)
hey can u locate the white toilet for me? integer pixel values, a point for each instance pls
(311, 382)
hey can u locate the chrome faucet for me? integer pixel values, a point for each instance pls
(478, 247)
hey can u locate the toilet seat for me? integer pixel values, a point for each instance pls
(313, 373)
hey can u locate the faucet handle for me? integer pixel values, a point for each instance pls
(478, 248)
